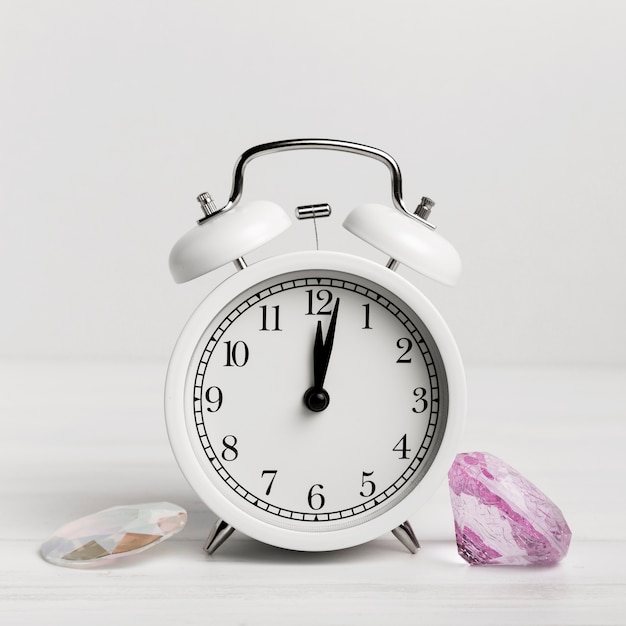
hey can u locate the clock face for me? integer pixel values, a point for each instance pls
(357, 445)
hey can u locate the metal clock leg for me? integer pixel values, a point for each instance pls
(404, 533)
(220, 532)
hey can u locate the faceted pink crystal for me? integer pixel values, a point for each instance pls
(113, 533)
(500, 517)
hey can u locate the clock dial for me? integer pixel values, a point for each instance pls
(316, 400)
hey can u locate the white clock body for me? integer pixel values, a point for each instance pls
(259, 457)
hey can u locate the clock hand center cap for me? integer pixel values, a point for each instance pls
(316, 399)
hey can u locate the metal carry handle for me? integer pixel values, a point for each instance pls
(321, 144)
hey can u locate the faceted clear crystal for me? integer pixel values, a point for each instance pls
(113, 533)
(500, 517)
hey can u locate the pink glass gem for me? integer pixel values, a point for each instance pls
(100, 538)
(500, 517)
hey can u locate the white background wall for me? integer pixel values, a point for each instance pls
(114, 115)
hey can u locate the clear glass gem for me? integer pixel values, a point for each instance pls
(113, 533)
(500, 517)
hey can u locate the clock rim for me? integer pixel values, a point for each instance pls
(179, 369)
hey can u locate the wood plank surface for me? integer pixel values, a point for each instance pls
(81, 436)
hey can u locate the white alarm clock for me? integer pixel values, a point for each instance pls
(314, 400)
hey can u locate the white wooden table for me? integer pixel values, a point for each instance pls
(80, 437)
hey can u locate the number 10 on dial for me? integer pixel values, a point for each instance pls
(322, 398)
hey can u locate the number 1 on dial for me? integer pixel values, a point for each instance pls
(367, 317)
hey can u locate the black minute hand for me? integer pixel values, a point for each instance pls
(316, 398)
(328, 346)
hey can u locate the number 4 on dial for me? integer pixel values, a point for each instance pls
(402, 447)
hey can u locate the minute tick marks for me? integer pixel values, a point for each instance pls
(320, 471)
